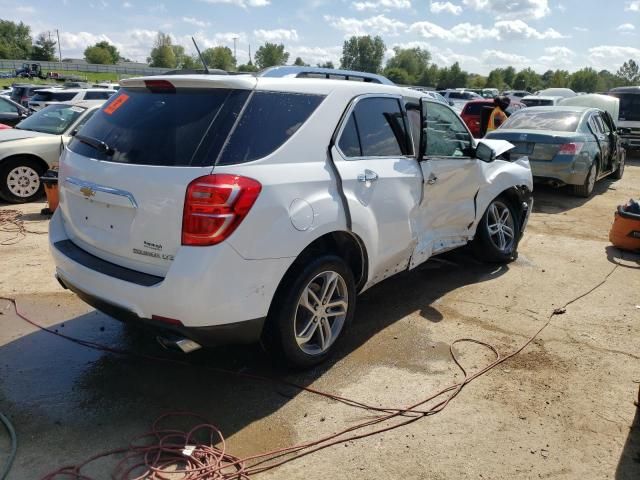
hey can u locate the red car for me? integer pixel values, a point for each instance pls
(472, 113)
(4, 127)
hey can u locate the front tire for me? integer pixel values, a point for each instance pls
(498, 233)
(311, 311)
(585, 190)
(20, 180)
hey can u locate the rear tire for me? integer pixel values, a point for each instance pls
(585, 190)
(617, 174)
(20, 180)
(303, 328)
(498, 233)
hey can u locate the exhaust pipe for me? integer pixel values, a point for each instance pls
(181, 344)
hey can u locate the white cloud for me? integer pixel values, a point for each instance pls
(315, 55)
(556, 57)
(381, 4)
(633, 6)
(626, 28)
(448, 7)
(580, 29)
(241, 3)
(498, 58)
(195, 21)
(126, 5)
(378, 25)
(518, 29)
(277, 35)
(611, 56)
(512, 9)
(26, 9)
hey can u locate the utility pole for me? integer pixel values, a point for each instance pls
(250, 61)
(59, 47)
(235, 40)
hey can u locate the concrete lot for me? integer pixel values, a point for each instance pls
(562, 409)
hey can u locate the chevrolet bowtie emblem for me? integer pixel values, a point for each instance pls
(88, 192)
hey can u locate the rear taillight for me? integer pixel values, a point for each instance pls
(160, 86)
(570, 148)
(214, 207)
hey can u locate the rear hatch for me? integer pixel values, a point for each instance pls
(540, 146)
(123, 178)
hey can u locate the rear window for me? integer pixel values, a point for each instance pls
(532, 102)
(192, 127)
(476, 108)
(53, 96)
(543, 120)
(269, 120)
(98, 95)
(629, 106)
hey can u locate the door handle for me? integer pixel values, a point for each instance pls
(368, 176)
(432, 179)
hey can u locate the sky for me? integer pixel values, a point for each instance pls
(480, 34)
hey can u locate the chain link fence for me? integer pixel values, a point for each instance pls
(122, 69)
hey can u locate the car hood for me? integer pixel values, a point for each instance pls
(17, 134)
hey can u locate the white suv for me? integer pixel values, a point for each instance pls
(228, 209)
(48, 96)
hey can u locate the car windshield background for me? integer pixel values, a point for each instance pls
(53, 96)
(6, 107)
(176, 128)
(55, 119)
(446, 134)
(268, 121)
(629, 107)
(560, 120)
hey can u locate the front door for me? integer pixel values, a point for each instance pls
(452, 179)
(381, 180)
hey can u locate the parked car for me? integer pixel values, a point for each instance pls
(540, 100)
(108, 85)
(457, 98)
(629, 114)
(43, 98)
(4, 127)
(472, 114)
(6, 92)
(22, 93)
(34, 145)
(557, 92)
(10, 112)
(566, 145)
(516, 93)
(304, 191)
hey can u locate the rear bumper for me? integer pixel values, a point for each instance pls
(563, 170)
(205, 287)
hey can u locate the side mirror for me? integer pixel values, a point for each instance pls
(74, 132)
(485, 153)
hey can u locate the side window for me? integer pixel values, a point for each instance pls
(599, 122)
(381, 127)
(605, 124)
(446, 134)
(6, 107)
(349, 142)
(84, 120)
(593, 125)
(97, 95)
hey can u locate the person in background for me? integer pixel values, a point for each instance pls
(499, 114)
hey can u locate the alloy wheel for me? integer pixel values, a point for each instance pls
(501, 226)
(23, 181)
(321, 313)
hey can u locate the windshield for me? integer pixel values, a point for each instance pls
(543, 120)
(534, 102)
(53, 96)
(55, 119)
(629, 106)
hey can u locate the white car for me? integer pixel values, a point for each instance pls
(34, 146)
(541, 100)
(228, 209)
(48, 96)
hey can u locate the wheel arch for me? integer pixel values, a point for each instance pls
(30, 156)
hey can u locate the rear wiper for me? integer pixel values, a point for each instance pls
(95, 143)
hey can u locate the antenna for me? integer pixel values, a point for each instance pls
(206, 70)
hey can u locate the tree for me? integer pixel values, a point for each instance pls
(452, 77)
(413, 61)
(398, 75)
(527, 79)
(429, 77)
(559, 79)
(219, 57)
(364, 54)
(328, 64)
(102, 52)
(477, 81)
(629, 72)
(15, 40)
(509, 76)
(162, 54)
(248, 67)
(496, 79)
(300, 63)
(190, 62)
(585, 80)
(43, 49)
(271, 55)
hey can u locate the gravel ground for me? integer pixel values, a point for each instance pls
(562, 409)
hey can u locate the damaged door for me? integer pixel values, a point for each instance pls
(452, 178)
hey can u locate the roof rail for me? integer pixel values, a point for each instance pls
(318, 72)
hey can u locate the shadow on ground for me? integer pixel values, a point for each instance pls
(629, 466)
(56, 391)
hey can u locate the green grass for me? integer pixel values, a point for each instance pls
(90, 77)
